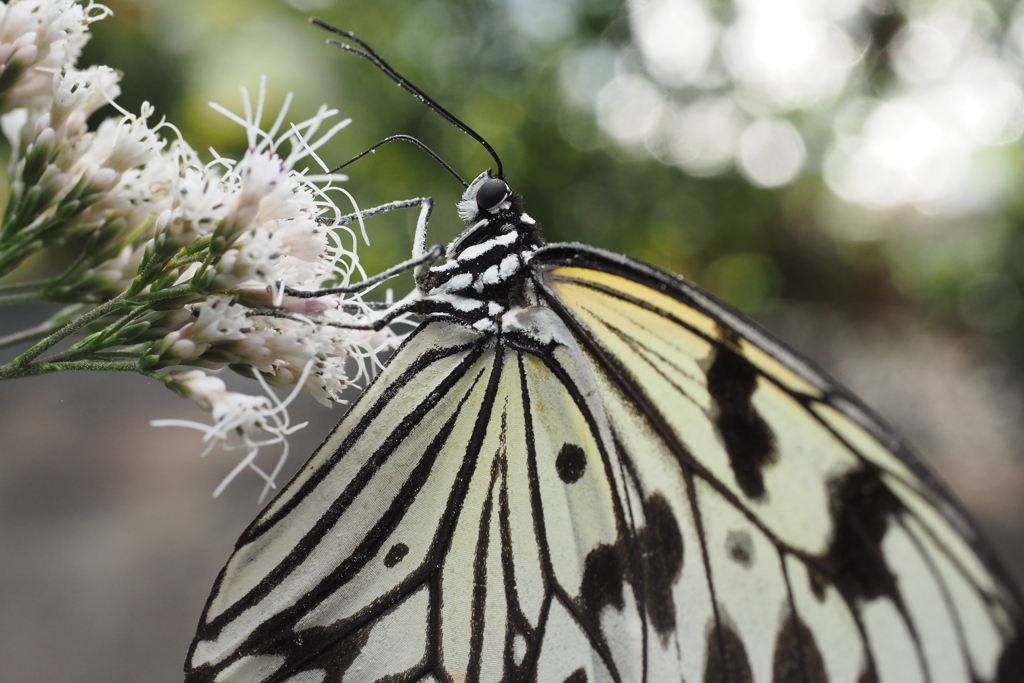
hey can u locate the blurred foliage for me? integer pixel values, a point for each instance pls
(751, 246)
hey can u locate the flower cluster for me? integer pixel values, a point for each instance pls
(177, 262)
(38, 37)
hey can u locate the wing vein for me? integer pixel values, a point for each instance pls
(547, 571)
(366, 551)
(940, 581)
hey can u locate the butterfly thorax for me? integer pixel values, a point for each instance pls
(485, 273)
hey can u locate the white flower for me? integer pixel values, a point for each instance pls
(252, 259)
(58, 27)
(200, 199)
(121, 145)
(37, 36)
(13, 124)
(256, 177)
(301, 238)
(221, 240)
(140, 195)
(270, 297)
(197, 197)
(255, 421)
(269, 233)
(80, 93)
(259, 251)
(216, 320)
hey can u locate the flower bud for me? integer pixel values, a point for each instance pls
(130, 332)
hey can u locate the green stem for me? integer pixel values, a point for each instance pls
(8, 372)
(174, 293)
(97, 366)
(67, 330)
(18, 286)
(116, 355)
(23, 298)
(87, 353)
(184, 261)
(126, 319)
(81, 355)
(25, 335)
(14, 253)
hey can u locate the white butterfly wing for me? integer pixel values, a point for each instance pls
(464, 522)
(827, 552)
(338, 564)
(632, 485)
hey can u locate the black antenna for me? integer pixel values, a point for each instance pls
(371, 56)
(406, 138)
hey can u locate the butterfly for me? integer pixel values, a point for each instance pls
(581, 468)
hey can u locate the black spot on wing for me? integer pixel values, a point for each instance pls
(727, 660)
(606, 570)
(395, 555)
(571, 463)
(868, 676)
(739, 547)
(604, 573)
(661, 548)
(577, 676)
(1011, 662)
(748, 439)
(862, 506)
(818, 582)
(797, 658)
(337, 659)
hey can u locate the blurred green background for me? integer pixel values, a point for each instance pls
(534, 77)
(848, 172)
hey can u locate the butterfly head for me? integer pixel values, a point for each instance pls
(490, 209)
(493, 194)
(486, 197)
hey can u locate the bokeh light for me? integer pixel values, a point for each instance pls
(950, 90)
(771, 152)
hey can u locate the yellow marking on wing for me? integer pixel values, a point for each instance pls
(561, 279)
(864, 443)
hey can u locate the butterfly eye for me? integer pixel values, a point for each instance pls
(492, 193)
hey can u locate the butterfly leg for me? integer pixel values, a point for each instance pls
(383, 208)
(435, 253)
(419, 245)
(421, 260)
(410, 304)
(388, 313)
